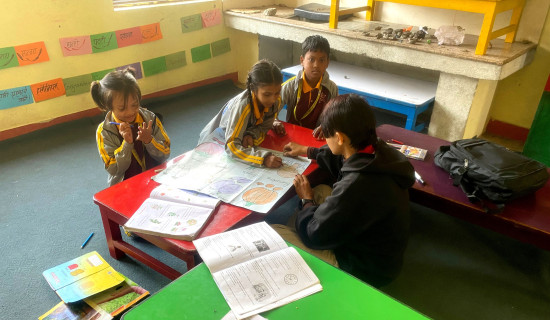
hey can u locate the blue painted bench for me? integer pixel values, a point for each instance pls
(387, 91)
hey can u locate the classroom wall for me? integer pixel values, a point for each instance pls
(29, 21)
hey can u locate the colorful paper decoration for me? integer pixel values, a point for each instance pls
(8, 58)
(154, 66)
(15, 97)
(191, 23)
(176, 60)
(211, 18)
(220, 47)
(48, 89)
(102, 42)
(75, 46)
(200, 53)
(77, 85)
(150, 32)
(128, 37)
(98, 75)
(31, 53)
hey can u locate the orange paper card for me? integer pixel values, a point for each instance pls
(150, 32)
(128, 37)
(31, 53)
(48, 89)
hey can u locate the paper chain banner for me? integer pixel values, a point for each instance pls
(101, 42)
(54, 88)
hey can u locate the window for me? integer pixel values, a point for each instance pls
(135, 4)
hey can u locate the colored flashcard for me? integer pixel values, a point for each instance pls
(128, 37)
(102, 42)
(154, 66)
(150, 32)
(77, 85)
(15, 97)
(31, 53)
(8, 58)
(137, 68)
(191, 23)
(220, 47)
(176, 60)
(98, 75)
(200, 53)
(48, 89)
(75, 45)
(211, 18)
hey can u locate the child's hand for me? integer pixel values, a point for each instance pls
(125, 131)
(145, 132)
(302, 186)
(272, 161)
(318, 133)
(248, 141)
(279, 128)
(293, 149)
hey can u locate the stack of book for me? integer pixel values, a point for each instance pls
(90, 289)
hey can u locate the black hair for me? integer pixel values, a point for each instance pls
(263, 73)
(352, 115)
(122, 81)
(315, 43)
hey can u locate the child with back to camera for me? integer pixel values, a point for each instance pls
(361, 224)
(131, 139)
(307, 94)
(246, 118)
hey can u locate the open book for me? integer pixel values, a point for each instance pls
(172, 213)
(255, 269)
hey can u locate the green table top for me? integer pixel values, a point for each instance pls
(196, 296)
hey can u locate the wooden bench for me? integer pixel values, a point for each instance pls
(399, 94)
(489, 9)
(526, 219)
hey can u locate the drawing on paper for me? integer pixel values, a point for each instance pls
(261, 195)
(287, 171)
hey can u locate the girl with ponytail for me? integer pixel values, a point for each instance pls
(246, 118)
(131, 139)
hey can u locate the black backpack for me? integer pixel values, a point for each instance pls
(488, 171)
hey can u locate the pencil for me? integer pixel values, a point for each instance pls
(118, 123)
(86, 241)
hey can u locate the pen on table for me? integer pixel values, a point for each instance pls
(118, 123)
(86, 241)
(396, 141)
(419, 178)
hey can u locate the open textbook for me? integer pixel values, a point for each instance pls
(255, 269)
(208, 169)
(172, 213)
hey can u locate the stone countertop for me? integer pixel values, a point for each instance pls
(500, 60)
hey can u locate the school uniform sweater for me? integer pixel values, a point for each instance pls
(365, 220)
(123, 160)
(301, 112)
(239, 118)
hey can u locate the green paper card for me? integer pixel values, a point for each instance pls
(220, 47)
(8, 58)
(200, 53)
(154, 66)
(77, 85)
(102, 42)
(176, 60)
(191, 23)
(98, 75)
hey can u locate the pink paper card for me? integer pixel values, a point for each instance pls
(211, 18)
(128, 37)
(75, 46)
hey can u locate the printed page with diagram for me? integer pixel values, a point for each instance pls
(255, 269)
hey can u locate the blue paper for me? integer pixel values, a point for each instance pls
(15, 97)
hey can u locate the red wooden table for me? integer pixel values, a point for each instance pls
(119, 202)
(526, 219)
